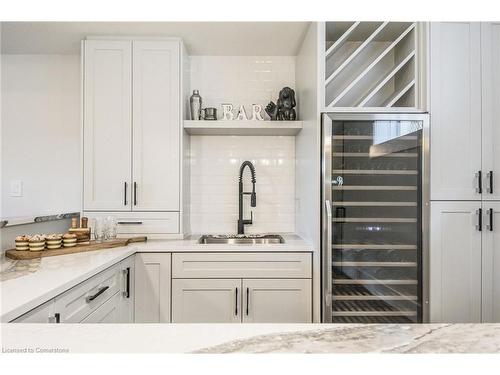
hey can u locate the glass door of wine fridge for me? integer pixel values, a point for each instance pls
(374, 217)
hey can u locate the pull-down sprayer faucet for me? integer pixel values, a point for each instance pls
(253, 197)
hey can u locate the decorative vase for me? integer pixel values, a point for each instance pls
(195, 102)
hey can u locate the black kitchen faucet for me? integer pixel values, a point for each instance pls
(253, 197)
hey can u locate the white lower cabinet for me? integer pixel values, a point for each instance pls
(108, 312)
(41, 314)
(206, 301)
(241, 288)
(491, 263)
(465, 262)
(152, 287)
(107, 297)
(277, 301)
(127, 295)
(455, 263)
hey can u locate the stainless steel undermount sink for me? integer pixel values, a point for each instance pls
(237, 239)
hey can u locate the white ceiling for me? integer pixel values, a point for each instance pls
(201, 38)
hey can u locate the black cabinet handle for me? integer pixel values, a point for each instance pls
(479, 188)
(125, 194)
(490, 182)
(127, 291)
(130, 222)
(479, 225)
(236, 303)
(135, 193)
(57, 317)
(248, 299)
(99, 292)
(490, 216)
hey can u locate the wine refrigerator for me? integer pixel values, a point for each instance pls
(375, 217)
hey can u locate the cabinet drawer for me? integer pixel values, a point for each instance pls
(108, 312)
(142, 222)
(78, 302)
(241, 265)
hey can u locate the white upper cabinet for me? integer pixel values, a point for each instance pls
(490, 50)
(107, 125)
(156, 125)
(455, 263)
(132, 123)
(455, 90)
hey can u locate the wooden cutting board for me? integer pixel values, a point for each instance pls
(26, 254)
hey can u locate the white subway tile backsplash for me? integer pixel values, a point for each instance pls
(215, 163)
(215, 160)
(241, 80)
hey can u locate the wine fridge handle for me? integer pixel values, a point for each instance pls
(328, 253)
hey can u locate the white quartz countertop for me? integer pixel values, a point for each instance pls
(28, 284)
(252, 338)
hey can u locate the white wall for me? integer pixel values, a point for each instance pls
(215, 160)
(41, 133)
(307, 150)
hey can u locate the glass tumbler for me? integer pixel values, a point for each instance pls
(99, 229)
(111, 228)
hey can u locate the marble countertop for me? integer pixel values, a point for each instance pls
(255, 338)
(27, 284)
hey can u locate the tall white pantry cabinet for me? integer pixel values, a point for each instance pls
(465, 172)
(132, 105)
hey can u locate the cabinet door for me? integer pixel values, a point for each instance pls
(490, 52)
(277, 301)
(455, 80)
(108, 312)
(157, 125)
(40, 314)
(455, 263)
(107, 125)
(491, 263)
(206, 301)
(152, 288)
(127, 292)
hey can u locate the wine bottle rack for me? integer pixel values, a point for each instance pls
(371, 65)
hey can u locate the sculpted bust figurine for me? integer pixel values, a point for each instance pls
(284, 109)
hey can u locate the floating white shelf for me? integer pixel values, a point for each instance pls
(225, 127)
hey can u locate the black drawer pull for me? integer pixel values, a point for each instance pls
(125, 194)
(236, 304)
(135, 193)
(479, 188)
(127, 292)
(248, 299)
(130, 222)
(490, 215)
(479, 225)
(99, 292)
(490, 182)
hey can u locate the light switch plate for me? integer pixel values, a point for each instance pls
(16, 188)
